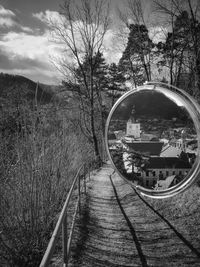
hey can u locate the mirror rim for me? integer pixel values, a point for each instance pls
(192, 108)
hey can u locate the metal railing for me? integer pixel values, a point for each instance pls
(62, 220)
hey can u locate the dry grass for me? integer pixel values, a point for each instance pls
(183, 212)
(37, 165)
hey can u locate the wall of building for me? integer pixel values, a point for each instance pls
(150, 177)
(133, 129)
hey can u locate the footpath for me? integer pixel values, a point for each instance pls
(116, 228)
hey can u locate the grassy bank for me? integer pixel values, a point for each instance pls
(40, 152)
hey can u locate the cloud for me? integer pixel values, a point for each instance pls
(26, 51)
(110, 51)
(7, 22)
(24, 44)
(158, 34)
(28, 54)
(8, 19)
(6, 12)
(26, 29)
(49, 16)
(13, 61)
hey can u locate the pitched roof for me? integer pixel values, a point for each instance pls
(170, 151)
(111, 136)
(164, 184)
(148, 137)
(167, 163)
(149, 148)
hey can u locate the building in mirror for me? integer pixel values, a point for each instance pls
(152, 140)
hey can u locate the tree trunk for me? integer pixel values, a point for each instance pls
(179, 70)
(197, 78)
(94, 137)
(171, 70)
(132, 69)
(146, 70)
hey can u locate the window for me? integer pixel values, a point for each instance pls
(180, 172)
(173, 173)
(147, 183)
(161, 175)
(154, 173)
(167, 173)
(147, 173)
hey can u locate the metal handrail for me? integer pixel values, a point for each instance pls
(62, 221)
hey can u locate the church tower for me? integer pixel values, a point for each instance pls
(132, 127)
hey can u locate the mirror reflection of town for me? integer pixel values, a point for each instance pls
(153, 152)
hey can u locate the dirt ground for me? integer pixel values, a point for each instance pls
(116, 228)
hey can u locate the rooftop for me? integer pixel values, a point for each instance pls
(170, 151)
(111, 136)
(164, 184)
(167, 163)
(144, 147)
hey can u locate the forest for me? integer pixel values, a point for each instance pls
(47, 132)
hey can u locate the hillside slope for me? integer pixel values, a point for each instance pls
(17, 88)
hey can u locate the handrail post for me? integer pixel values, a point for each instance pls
(65, 240)
(89, 171)
(84, 177)
(79, 193)
(62, 223)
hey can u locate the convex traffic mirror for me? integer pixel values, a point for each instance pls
(152, 139)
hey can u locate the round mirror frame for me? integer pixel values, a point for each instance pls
(194, 111)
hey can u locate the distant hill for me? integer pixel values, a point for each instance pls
(149, 104)
(17, 88)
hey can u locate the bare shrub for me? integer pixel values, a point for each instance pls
(37, 165)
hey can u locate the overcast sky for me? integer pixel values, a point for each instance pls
(25, 43)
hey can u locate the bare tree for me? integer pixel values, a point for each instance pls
(81, 31)
(134, 15)
(195, 33)
(189, 53)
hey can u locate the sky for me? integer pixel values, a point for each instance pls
(26, 46)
